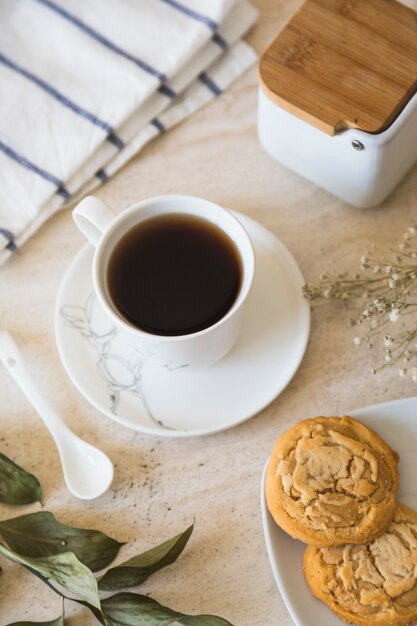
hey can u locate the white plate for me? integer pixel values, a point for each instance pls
(396, 422)
(147, 395)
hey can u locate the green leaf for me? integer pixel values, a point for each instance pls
(65, 569)
(137, 569)
(16, 485)
(39, 534)
(131, 609)
(59, 621)
(96, 612)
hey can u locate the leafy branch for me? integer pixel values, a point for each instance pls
(64, 558)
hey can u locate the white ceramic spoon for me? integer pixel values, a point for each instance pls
(88, 472)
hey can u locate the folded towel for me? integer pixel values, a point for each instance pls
(86, 84)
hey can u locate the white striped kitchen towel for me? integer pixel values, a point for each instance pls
(85, 84)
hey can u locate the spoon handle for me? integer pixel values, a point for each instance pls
(12, 360)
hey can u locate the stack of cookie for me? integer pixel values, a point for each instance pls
(332, 483)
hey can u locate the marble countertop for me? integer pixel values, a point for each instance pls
(161, 484)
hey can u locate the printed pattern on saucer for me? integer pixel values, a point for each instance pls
(118, 364)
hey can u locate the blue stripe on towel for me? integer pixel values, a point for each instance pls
(209, 82)
(61, 191)
(158, 124)
(112, 137)
(115, 140)
(102, 175)
(218, 39)
(167, 91)
(102, 39)
(15, 156)
(8, 235)
(191, 13)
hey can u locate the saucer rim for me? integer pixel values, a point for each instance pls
(247, 223)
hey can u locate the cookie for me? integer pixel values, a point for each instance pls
(374, 584)
(332, 481)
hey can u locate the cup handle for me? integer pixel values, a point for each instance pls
(93, 217)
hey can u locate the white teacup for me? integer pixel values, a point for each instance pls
(104, 229)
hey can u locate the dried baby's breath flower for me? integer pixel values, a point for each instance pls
(387, 288)
(394, 315)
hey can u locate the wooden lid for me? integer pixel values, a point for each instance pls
(344, 64)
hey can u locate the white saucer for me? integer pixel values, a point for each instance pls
(396, 422)
(144, 394)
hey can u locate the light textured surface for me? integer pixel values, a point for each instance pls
(161, 484)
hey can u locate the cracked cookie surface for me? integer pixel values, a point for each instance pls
(374, 584)
(332, 481)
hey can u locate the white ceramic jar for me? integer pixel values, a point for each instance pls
(338, 99)
(359, 167)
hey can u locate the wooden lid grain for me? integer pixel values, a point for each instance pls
(344, 64)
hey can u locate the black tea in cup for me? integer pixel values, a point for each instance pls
(174, 274)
